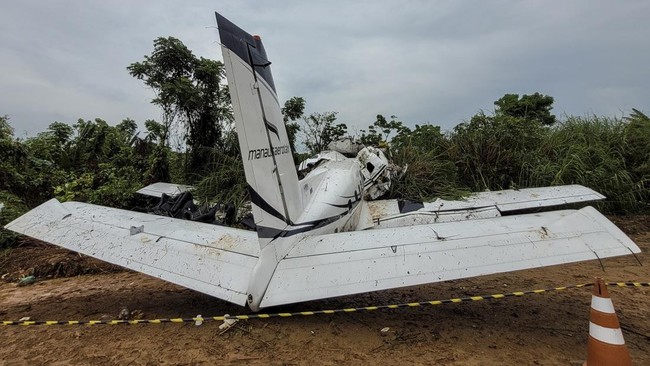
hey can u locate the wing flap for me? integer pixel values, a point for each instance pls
(206, 258)
(348, 263)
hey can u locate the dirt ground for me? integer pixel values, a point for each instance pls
(540, 329)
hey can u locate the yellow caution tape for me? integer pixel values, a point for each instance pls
(316, 312)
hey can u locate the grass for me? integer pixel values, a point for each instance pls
(496, 152)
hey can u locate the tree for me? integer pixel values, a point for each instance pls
(423, 139)
(6, 131)
(293, 109)
(14, 157)
(381, 129)
(189, 91)
(127, 128)
(25, 175)
(159, 160)
(319, 130)
(494, 152)
(13, 160)
(53, 144)
(535, 107)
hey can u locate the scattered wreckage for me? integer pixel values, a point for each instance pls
(177, 200)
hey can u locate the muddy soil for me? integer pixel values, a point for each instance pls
(540, 329)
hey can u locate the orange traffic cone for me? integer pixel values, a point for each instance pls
(606, 344)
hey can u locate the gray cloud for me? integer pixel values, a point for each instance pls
(423, 61)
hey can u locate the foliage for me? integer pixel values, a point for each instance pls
(90, 161)
(190, 92)
(430, 171)
(510, 150)
(14, 157)
(23, 173)
(593, 152)
(319, 130)
(378, 133)
(535, 107)
(12, 208)
(423, 139)
(292, 111)
(110, 185)
(637, 140)
(225, 181)
(6, 131)
(492, 151)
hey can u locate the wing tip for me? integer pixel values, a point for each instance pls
(52, 208)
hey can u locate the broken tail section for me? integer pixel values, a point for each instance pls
(266, 152)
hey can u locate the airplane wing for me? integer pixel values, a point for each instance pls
(170, 189)
(397, 213)
(529, 198)
(354, 262)
(212, 259)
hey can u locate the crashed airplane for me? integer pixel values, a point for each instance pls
(318, 237)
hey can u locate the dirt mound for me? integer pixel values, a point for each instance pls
(45, 261)
(632, 224)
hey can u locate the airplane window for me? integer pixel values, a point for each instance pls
(370, 167)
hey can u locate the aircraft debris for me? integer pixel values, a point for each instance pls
(28, 280)
(124, 314)
(348, 146)
(227, 324)
(322, 236)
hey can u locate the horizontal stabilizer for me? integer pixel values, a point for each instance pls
(362, 261)
(212, 259)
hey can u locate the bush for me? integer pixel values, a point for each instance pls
(13, 208)
(496, 152)
(224, 182)
(431, 173)
(591, 152)
(609, 155)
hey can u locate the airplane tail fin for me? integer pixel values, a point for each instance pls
(266, 152)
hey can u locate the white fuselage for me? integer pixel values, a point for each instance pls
(332, 193)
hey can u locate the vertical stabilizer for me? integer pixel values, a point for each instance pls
(263, 139)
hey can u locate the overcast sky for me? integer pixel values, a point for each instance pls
(424, 61)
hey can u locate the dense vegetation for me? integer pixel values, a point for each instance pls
(495, 152)
(520, 145)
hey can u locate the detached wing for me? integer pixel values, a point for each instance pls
(212, 259)
(160, 188)
(362, 261)
(397, 213)
(531, 198)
